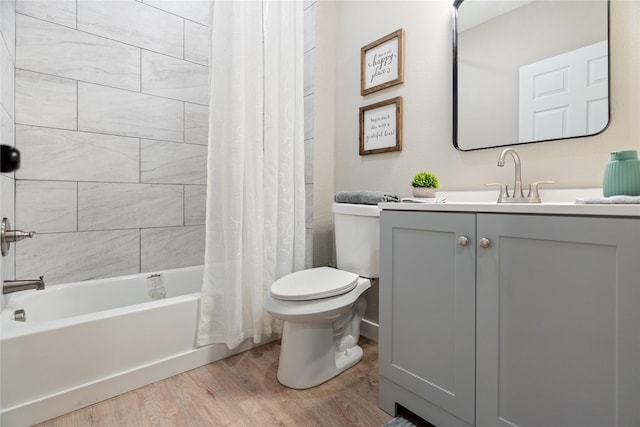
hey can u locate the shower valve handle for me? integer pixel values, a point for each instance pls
(8, 236)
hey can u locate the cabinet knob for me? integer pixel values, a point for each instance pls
(485, 243)
(463, 240)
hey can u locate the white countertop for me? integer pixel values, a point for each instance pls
(561, 202)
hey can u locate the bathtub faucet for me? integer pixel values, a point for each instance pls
(9, 286)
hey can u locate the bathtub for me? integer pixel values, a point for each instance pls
(85, 342)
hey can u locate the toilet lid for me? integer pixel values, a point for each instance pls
(314, 283)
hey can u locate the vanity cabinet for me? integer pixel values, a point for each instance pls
(427, 315)
(493, 319)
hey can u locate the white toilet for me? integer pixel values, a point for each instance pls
(322, 307)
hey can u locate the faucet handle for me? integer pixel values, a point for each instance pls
(533, 189)
(504, 190)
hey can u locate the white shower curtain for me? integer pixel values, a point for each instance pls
(255, 223)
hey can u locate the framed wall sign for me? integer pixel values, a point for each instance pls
(381, 127)
(382, 63)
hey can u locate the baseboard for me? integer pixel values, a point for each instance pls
(369, 329)
(87, 394)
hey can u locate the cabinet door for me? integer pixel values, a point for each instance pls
(557, 321)
(427, 308)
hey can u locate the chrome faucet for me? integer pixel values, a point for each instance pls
(9, 286)
(518, 196)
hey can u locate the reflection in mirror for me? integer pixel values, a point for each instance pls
(529, 71)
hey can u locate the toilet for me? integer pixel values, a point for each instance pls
(322, 307)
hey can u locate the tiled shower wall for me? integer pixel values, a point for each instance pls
(7, 126)
(111, 120)
(309, 98)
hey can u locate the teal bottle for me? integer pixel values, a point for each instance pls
(622, 174)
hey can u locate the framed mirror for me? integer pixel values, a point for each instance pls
(529, 71)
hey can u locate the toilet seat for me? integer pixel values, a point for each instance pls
(312, 284)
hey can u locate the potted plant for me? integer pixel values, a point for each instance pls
(424, 185)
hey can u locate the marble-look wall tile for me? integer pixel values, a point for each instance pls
(309, 89)
(120, 112)
(196, 42)
(7, 210)
(309, 26)
(195, 10)
(70, 257)
(46, 206)
(133, 23)
(44, 100)
(196, 124)
(309, 64)
(172, 163)
(80, 119)
(195, 204)
(308, 205)
(7, 128)
(7, 80)
(118, 206)
(8, 25)
(174, 78)
(308, 161)
(7, 198)
(308, 116)
(308, 257)
(173, 247)
(54, 154)
(61, 12)
(55, 49)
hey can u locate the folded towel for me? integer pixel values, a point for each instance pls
(365, 197)
(613, 200)
(423, 200)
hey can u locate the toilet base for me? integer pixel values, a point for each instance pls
(308, 357)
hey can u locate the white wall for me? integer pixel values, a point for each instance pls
(427, 93)
(428, 105)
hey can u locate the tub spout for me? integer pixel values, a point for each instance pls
(9, 286)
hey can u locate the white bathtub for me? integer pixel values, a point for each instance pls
(87, 341)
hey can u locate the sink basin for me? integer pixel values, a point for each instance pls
(550, 195)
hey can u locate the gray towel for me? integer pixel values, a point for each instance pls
(613, 200)
(365, 197)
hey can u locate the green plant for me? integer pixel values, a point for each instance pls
(425, 179)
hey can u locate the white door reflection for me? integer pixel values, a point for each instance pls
(564, 95)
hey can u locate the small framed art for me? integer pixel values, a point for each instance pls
(381, 127)
(382, 63)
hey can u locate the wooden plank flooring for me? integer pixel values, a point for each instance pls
(242, 391)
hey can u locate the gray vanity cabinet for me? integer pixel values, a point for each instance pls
(427, 315)
(534, 322)
(558, 321)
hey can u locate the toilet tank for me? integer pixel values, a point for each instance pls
(357, 236)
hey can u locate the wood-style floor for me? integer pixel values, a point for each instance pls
(242, 391)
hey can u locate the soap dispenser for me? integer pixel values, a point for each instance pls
(622, 174)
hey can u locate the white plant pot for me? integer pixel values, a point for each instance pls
(424, 192)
